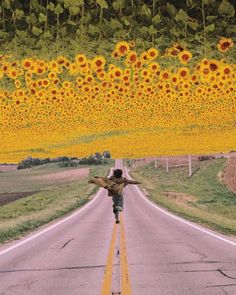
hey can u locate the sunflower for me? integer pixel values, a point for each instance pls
(165, 75)
(53, 66)
(66, 84)
(131, 58)
(144, 57)
(122, 48)
(152, 53)
(98, 62)
(80, 59)
(132, 44)
(61, 60)
(145, 73)
(26, 63)
(185, 56)
(225, 44)
(183, 72)
(214, 65)
(52, 75)
(73, 69)
(115, 54)
(154, 66)
(117, 72)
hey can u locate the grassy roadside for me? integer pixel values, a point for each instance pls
(203, 198)
(26, 214)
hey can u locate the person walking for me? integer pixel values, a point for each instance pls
(115, 186)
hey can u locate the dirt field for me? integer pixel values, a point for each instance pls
(64, 175)
(10, 197)
(4, 168)
(229, 176)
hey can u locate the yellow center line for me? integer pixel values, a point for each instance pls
(107, 281)
(126, 286)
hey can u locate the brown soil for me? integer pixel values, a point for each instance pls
(229, 176)
(64, 175)
(11, 197)
(4, 168)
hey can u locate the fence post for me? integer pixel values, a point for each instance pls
(167, 164)
(189, 166)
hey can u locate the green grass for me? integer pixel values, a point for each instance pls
(207, 201)
(26, 214)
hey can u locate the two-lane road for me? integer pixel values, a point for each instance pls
(149, 253)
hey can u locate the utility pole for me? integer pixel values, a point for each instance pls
(189, 166)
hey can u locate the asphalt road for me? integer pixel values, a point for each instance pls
(149, 253)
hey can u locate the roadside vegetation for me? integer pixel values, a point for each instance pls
(203, 198)
(52, 199)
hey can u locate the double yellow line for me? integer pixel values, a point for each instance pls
(125, 279)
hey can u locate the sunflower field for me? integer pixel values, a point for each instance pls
(137, 78)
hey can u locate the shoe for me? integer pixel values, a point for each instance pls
(117, 221)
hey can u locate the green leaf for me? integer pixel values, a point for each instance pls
(6, 4)
(181, 16)
(71, 22)
(189, 3)
(47, 35)
(115, 24)
(118, 4)
(21, 34)
(210, 28)
(74, 10)
(226, 8)
(58, 9)
(19, 14)
(74, 43)
(152, 30)
(144, 31)
(231, 29)
(171, 10)
(145, 10)
(102, 3)
(63, 31)
(31, 19)
(36, 31)
(156, 19)
(70, 3)
(93, 30)
(211, 18)
(174, 32)
(194, 26)
(42, 18)
(51, 6)
(126, 20)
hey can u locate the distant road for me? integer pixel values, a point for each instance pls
(149, 253)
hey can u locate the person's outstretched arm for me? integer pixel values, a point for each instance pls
(128, 181)
(100, 181)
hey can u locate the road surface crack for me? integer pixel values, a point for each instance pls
(218, 286)
(66, 243)
(224, 274)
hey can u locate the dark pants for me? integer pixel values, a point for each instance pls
(118, 200)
